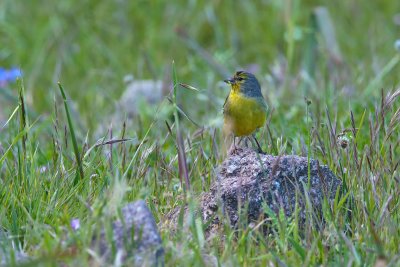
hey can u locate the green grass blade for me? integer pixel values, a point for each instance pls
(182, 164)
(20, 135)
(73, 137)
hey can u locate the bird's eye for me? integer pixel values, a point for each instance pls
(239, 79)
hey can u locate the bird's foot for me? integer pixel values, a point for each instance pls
(234, 150)
(260, 151)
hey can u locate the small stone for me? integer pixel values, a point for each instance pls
(135, 239)
(150, 91)
(231, 169)
(10, 254)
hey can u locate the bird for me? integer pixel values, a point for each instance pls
(245, 109)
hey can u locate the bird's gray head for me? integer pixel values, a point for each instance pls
(245, 83)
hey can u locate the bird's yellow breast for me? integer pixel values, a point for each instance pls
(243, 115)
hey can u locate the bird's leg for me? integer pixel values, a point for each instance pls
(258, 145)
(244, 140)
(240, 140)
(232, 150)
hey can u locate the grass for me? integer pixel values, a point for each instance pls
(89, 47)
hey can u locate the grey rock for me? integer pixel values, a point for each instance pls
(279, 183)
(137, 93)
(260, 184)
(151, 91)
(10, 253)
(136, 241)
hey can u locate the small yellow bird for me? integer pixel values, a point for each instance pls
(245, 109)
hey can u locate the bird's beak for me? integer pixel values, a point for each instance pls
(229, 81)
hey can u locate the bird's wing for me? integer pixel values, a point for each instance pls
(262, 103)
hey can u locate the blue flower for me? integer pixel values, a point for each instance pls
(9, 75)
(75, 224)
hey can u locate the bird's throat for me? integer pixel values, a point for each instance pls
(235, 88)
